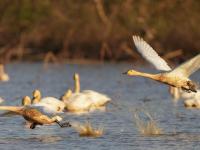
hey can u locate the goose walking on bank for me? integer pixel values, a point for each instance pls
(178, 77)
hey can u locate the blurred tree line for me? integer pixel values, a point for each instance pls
(97, 29)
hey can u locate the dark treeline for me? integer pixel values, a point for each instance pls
(97, 29)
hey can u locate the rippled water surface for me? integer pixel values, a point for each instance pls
(181, 126)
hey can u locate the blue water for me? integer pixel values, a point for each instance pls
(181, 126)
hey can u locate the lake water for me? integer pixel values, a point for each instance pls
(181, 126)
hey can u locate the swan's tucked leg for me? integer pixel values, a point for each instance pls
(33, 125)
(65, 124)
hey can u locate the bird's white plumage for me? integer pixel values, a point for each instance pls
(150, 54)
(97, 98)
(86, 100)
(44, 109)
(78, 102)
(189, 67)
(49, 105)
(54, 102)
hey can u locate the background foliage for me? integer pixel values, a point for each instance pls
(97, 29)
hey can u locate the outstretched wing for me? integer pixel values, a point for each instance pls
(189, 67)
(150, 54)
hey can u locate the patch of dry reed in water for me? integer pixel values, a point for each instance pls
(87, 129)
(147, 127)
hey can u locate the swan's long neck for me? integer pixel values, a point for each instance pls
(76, 83)
(1, 69)
(15, 109)
(156, 77)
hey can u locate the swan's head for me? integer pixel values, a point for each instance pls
(37, 93)
(131, 72)
(67, 95)
(5, 77)
(76, 76)
(189, 86)
(26, 100)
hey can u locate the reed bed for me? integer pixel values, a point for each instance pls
(87, 29)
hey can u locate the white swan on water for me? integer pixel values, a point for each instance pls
(84, 101)
(178, 77)
(50, 104)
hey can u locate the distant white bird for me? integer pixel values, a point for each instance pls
(84, 101)
(176, 78)
(3, 75)
(192, 103)
(190, 99)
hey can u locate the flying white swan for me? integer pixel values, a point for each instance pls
(84, 101)
(176, 78)
(35, 115)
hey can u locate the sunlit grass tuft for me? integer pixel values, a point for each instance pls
(147, 126)
(88, 130)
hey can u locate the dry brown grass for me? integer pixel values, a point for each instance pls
(147, 127)
(87, 129)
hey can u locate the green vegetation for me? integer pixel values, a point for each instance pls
(96, 29)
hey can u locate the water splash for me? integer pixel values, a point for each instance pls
(146, 124)
(87, 129)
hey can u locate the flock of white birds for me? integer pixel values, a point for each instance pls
(47, 110)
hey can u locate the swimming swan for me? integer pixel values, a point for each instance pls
(84, 101)
(3, 76)
(35, 116)
(55, 104)
(176, 78)
(98, 99)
